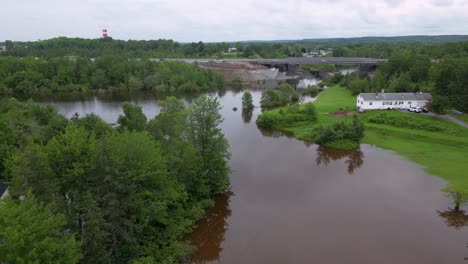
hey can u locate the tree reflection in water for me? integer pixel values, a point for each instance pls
(209, 234)
(247, 116)
(270, 132)
(354, 158)
(456, 219)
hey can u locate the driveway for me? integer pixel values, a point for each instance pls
(449, 118)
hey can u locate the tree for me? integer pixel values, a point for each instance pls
(135, 83)
(378, 81)
(288, 91)
(438, 105)
(359, 86)
(133, 119)
(31, 233)
(247, 101)
(209, 142)
(458, 196)
(237, 82)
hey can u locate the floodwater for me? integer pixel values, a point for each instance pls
(293, 202)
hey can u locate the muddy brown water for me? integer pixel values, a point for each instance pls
(292, 202)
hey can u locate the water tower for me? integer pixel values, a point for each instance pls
(104, 33)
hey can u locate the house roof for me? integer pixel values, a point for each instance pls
(396, 96)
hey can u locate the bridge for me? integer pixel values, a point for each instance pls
(291, 65)
(294, 60)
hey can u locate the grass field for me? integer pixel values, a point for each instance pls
(439, 145)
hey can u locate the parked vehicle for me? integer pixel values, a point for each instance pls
(415, 109)
(425, 110)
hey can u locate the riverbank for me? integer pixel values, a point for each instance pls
(439, 145)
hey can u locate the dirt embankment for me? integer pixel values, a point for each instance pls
(232, 69)
(342, 113)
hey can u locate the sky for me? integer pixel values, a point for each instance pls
(236, 20)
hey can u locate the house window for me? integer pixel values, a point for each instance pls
(370, 103)
(386, 103)
(409, 103)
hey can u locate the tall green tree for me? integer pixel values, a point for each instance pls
(247, 101)
(438, 105)
(133, 119)
(205, 135)
(31, 233)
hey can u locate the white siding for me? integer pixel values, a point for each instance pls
(376, 105)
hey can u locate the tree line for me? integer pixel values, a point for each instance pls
(84, 191)
(31, 75)
(162, 48)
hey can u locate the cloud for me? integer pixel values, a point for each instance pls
(442, 2)
(221, 20)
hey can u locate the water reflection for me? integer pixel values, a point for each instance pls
(210, 232)
(247, 116)
(270, 132)
(354, 158)
(456, 219)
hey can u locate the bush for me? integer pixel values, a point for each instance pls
(288, 91)
(405, 122)
(237, 82)
(284, 95)
(341, 134)
(287, 116)
(265, 121)
(272, 98)
(311, 90)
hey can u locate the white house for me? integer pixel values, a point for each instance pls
(232, 49)
(375, 101)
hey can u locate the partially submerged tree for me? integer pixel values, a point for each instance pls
(247, 101)
(210, 145)
(458, 196)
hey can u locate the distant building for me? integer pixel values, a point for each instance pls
(232, 49)
(324, 52)
(313, 53)
(376, 101)
(2, 48)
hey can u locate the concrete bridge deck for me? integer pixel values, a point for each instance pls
(294, 60)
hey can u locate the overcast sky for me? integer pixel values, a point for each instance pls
(220, 20)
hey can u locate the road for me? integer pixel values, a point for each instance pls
(449, 118)
(297, 61)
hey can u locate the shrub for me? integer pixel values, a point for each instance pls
(311, 90)
(265, 121)
(287, 116)
(288, 91)
(341, 134)
(283, 95)
(272, 98)
(405, 122)
(237, 82)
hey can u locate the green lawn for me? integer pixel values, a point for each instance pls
(443, 151)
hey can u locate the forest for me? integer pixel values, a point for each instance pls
(83, 191)
(92, 48)
(30, 75)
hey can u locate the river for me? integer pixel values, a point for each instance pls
(292, 202)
